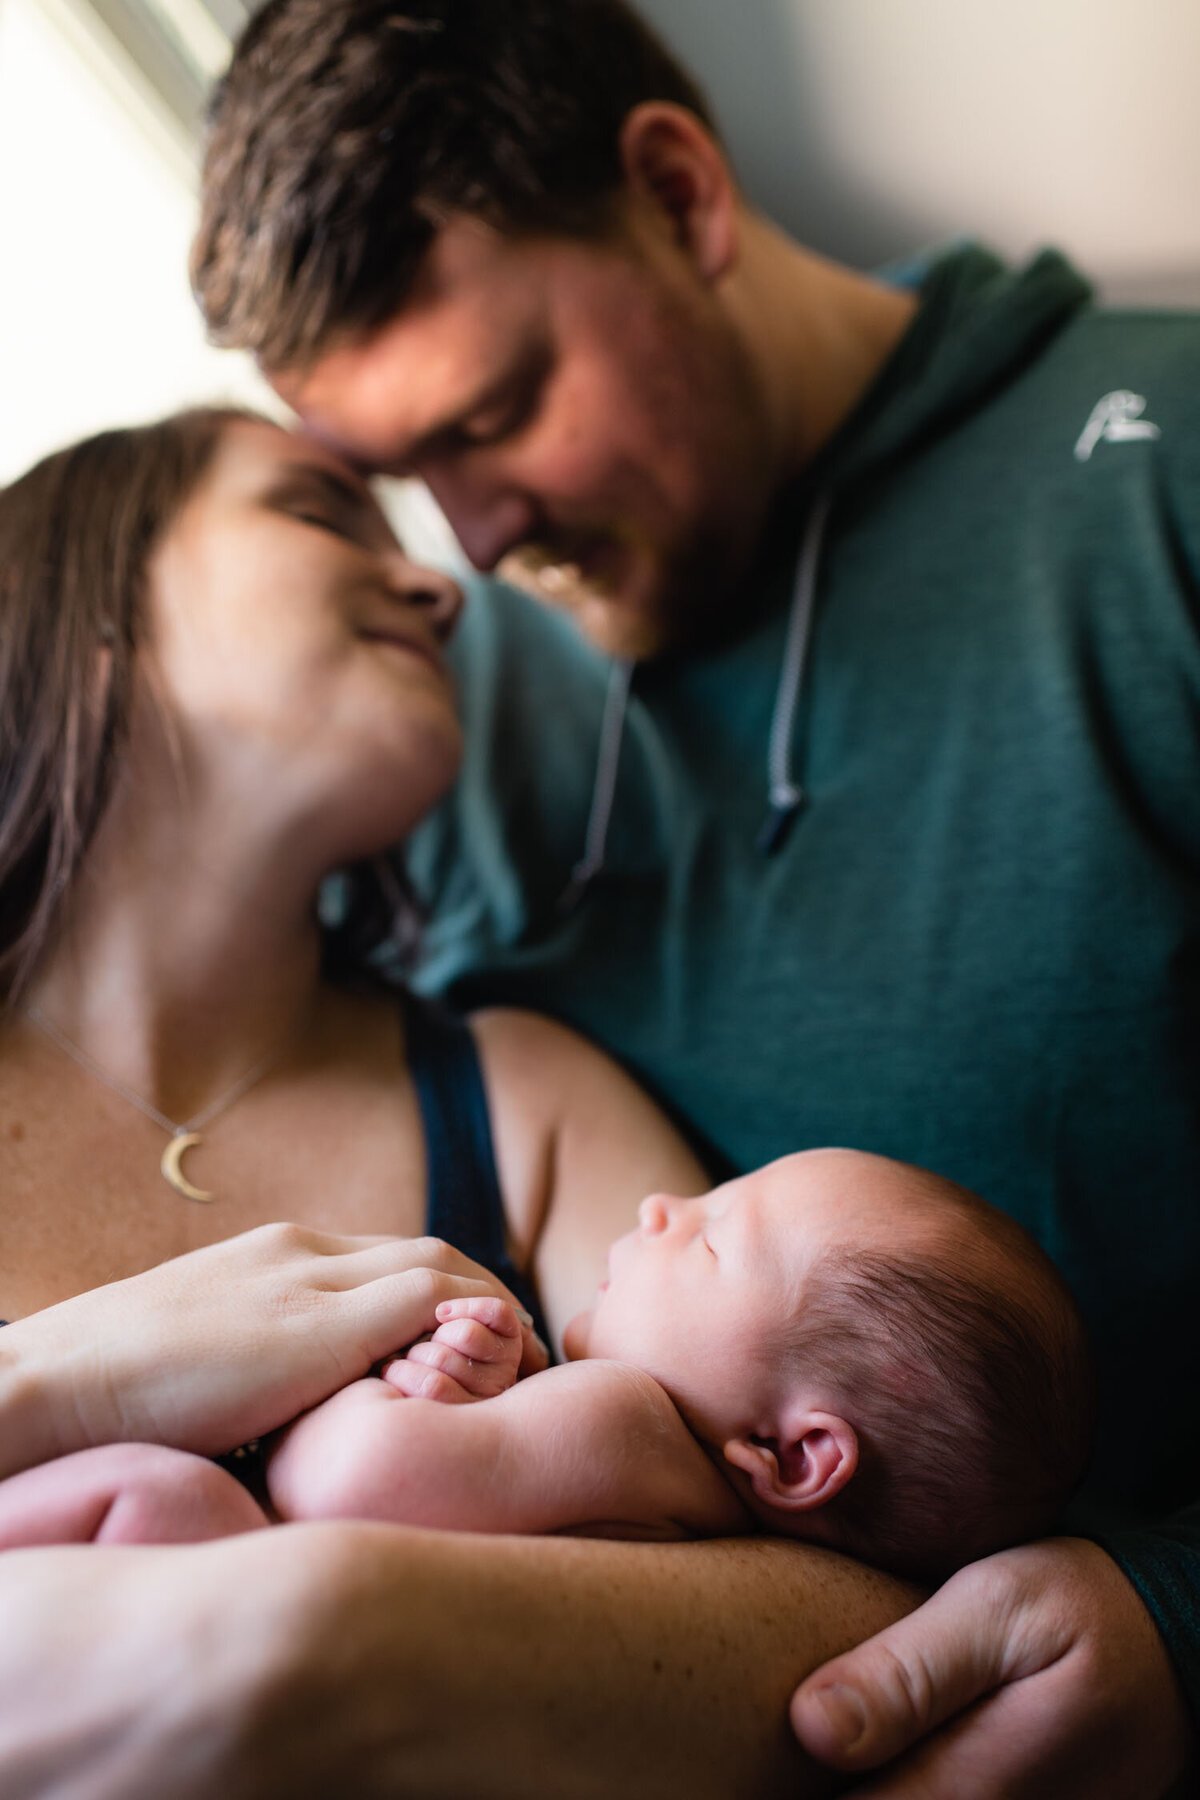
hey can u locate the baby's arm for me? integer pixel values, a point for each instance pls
(592, 1447)
(124, 1494)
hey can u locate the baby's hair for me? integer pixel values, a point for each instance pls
(968, 1379)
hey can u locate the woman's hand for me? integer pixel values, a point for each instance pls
(225, 1343)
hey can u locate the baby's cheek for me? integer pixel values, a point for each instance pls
(575, 1337)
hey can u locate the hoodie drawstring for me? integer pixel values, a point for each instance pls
(612, 730)
(784, 796)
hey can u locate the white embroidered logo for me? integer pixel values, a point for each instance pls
(1117, 418)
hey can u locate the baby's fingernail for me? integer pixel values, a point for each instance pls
(845, 1714)
(444, 1309)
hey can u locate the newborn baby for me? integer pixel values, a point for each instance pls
(836, 1347)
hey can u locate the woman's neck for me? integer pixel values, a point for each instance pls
(186, 955)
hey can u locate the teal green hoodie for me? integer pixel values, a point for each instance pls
(977, 945)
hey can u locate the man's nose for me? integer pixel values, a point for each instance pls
(488, 520)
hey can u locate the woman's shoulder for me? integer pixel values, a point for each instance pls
(567, 1104)
(578, 1144)
(554, 1061)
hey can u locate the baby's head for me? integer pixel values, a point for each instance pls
(884, 1362)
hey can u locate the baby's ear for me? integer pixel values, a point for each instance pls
(803, 1468)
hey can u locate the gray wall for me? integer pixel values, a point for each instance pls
(872, 127)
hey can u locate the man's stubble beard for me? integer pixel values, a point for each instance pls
(699, 604)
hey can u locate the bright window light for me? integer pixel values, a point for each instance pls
(97, 206)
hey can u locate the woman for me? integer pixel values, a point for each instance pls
(220, 678)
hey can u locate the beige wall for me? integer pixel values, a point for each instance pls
(870, 127)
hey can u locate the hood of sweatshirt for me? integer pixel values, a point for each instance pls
(979, 324)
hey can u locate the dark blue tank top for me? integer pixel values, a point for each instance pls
(465, 1205)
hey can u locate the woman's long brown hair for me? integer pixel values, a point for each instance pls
(76, 536)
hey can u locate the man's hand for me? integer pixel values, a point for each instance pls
(474, 1354)
(1036, 1674)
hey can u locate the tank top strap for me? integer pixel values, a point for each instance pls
(465, 1205)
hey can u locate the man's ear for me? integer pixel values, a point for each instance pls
(804, 1467)
(672, 159)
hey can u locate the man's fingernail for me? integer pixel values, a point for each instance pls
(526, 1318)
(845, 1713)
(542, 1345)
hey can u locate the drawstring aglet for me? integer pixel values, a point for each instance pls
(785, 804)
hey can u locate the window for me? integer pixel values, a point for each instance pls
(97, 202)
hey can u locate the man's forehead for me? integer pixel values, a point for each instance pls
(465, 323)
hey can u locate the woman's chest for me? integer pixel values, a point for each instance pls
(86, 1196)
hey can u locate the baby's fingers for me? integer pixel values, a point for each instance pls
(478, 1343)
(487, 1310)
(417, 1382)
(477, 1379)
(487, 1332)
(481, 1377)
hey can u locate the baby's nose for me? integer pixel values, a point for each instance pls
(653, 1215)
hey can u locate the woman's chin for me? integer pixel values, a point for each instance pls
(380, 800)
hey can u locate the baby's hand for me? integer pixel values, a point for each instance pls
(473, 1355)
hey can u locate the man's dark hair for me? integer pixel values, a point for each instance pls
(346, 130)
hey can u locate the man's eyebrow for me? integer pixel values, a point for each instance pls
(512, 382)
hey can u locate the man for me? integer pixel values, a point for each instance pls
(901, 846)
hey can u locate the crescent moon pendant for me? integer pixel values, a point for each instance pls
(172, 1166)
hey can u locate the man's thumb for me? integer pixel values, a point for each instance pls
(868, 1706)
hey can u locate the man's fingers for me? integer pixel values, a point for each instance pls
(1037, 1674)
(1027, 1741)
(867, 1706)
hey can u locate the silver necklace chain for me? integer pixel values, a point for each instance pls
(176, 1129)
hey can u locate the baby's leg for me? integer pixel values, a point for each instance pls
(124, 1494)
